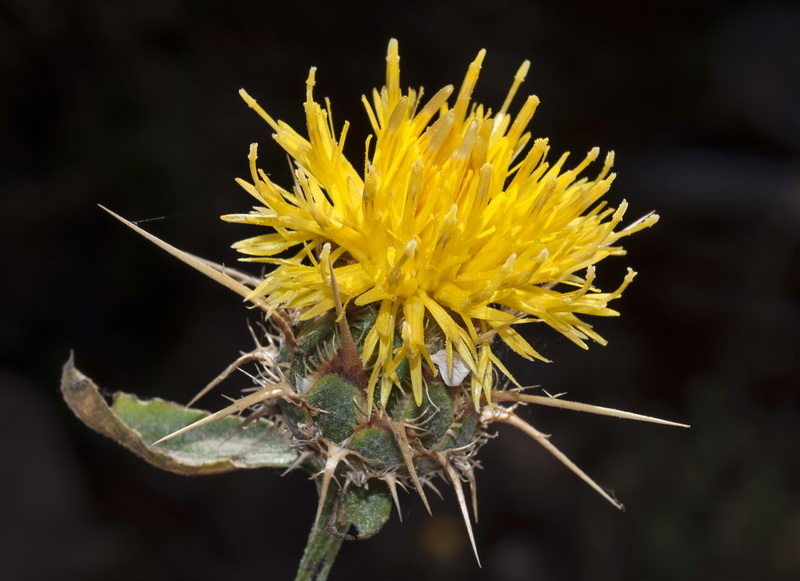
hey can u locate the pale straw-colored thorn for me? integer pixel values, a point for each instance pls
(501, 414)
(236, 407)
(266, 356)
(300, 459)
(399, 431)
(335, 454)
(554, 401)
(245, 278)
(390, 478)
(429, 483)
(258, 414)
(196, 263)
(473, 487)
(246, 358)
(455, 479)
(232, 400)
(213, 273)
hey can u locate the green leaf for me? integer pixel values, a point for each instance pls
(134, 424)
(368, 508)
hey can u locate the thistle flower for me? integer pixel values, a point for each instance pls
(389, 290)
(453, 231)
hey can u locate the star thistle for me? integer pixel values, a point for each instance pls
(453, 231)
(390, 289)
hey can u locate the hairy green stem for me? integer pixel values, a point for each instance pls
(324, 541)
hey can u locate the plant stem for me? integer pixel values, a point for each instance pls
(323, 545)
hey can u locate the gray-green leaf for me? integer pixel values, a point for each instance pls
(368, 508)
(134, 424)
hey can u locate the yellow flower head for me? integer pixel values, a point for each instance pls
(453, 232)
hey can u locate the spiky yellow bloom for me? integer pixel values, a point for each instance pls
(453, 230)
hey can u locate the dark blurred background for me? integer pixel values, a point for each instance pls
(134, 105)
